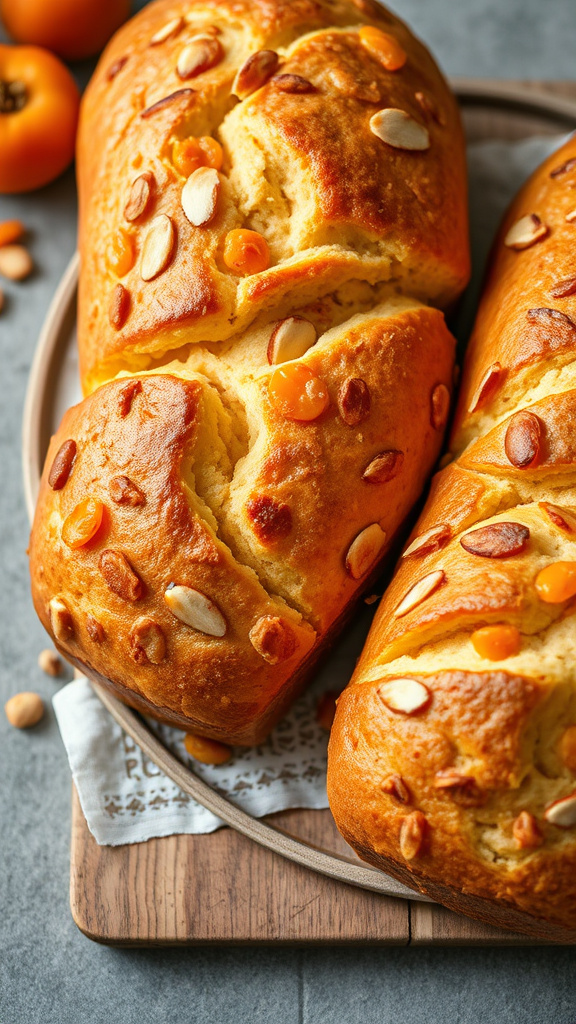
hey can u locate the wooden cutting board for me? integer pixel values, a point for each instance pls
(224, 888)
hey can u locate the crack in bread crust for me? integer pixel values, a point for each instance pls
(236, 534)
(283, 157)
(512, 474)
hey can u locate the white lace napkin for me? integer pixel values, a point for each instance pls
(125, 798)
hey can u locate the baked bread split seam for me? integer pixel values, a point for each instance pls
(452, 760)
(272, 217)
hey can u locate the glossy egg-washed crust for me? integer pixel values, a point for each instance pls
(205, 482)
(334, 202)
(253, 538)
(494, 747)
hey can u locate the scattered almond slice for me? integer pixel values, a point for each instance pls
(295, 84)
(202, 53)
(486, 387)
(419, 592)
(254, 73)
(120, 575)
(364, 550)
(126, 396)
(139, 196)
(559, 516)
(404, 695)
(413, 835)
(383, 467)
(439, 406)
(273, 639)
(200, 196)
(60, 619)
(525, 232)
(24, 710)
(571, 217)
(395, 786)
(354, 401)
(157, 248)
(196, 610)
(290, 339)
(119, 306)
(562, 812)
(124, 491)
(526, 832)
(551, 319)
(430, 540)
(15, 262)
(95, 630)
(564, 168)
(115, 68)
(50, 663)
(562, 289)
(449, 778)
(398, 129)
(166, 101)
(170, 29)
(567, 748)
(496, 540)
(523, 439)
(147, 641)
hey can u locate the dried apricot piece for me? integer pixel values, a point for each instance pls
(83, 523)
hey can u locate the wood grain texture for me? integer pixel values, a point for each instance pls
(431, 924)
(224, 888)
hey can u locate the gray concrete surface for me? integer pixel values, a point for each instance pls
(50, 973)
(496, 38)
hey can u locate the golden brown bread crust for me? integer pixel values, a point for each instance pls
(400, 226)
(149, 446)
(481, 737)
(261, 525)
(269, 526)
(523, 322)
(480, 723)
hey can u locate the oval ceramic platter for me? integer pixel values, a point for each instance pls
(492, 112)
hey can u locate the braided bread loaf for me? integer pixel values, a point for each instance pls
(269, 191)
(452, 760)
